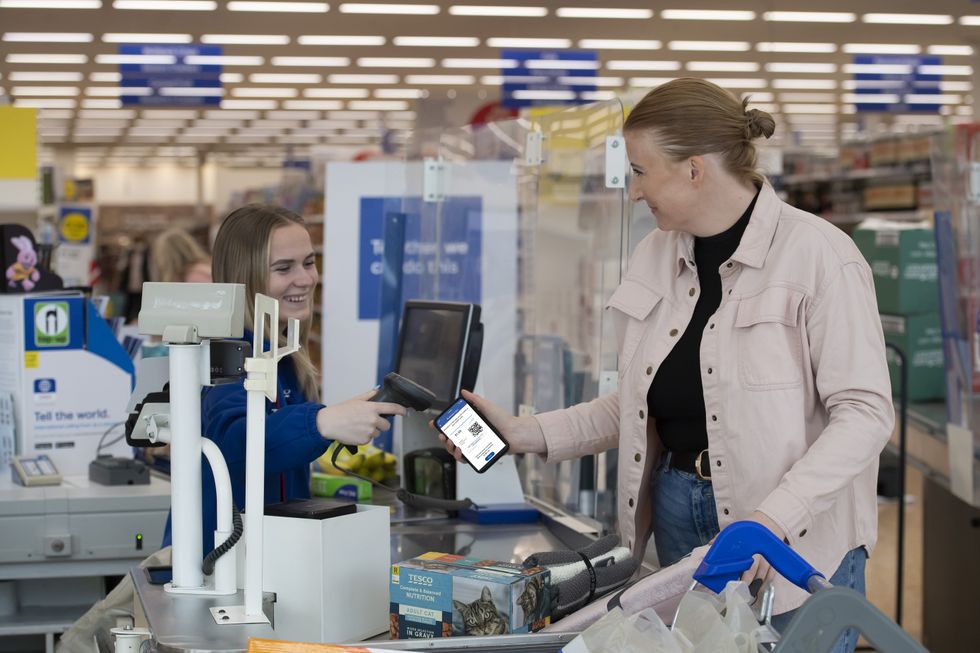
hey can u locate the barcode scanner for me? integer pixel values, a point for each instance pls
(396, 389)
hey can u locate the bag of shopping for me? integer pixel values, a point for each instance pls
(616, 632)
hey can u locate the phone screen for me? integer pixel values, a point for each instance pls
(480, 444)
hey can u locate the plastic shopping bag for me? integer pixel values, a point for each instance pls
(643, 632)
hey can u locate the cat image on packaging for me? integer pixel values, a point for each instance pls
(532, 602)
(480, 617)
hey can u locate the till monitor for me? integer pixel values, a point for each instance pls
(439, 347)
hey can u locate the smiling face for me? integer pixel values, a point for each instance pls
(667, 187)
(292, 272)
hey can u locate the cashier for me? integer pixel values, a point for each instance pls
(752, 375)
(268, 248)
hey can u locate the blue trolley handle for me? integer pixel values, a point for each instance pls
(732, 552)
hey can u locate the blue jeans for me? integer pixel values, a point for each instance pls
(684, 517)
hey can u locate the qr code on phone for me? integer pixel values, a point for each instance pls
(475, 428)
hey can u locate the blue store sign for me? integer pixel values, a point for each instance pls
(890, 80)
(182, 82)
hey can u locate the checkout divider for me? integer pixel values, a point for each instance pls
(527, 218)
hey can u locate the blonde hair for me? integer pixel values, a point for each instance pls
(173, 253)
(692, 117)
(241, 255)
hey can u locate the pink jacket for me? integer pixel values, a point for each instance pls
(796, 388)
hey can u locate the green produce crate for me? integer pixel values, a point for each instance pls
(903, 262)
(345, 487)
(920, 338)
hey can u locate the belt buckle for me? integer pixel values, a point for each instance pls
(697, 466)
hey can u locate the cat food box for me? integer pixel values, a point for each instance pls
(446, 595)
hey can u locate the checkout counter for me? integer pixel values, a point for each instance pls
(58, 543)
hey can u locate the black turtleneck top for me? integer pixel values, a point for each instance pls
(676, 396)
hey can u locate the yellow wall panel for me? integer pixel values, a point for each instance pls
(18, 136)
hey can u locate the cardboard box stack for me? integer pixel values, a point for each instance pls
(902, 257)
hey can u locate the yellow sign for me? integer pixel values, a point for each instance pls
(18, 133)
(74, 227)
(31, 360)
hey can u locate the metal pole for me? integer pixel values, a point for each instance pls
(903, 395)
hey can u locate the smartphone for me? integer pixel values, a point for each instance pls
(472, 434)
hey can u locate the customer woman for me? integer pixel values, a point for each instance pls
(752, 374)
(268, 248)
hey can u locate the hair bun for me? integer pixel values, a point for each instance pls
(758, 123)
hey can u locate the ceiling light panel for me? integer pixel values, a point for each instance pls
(111, 78)
(392, 9)
(706, 14)
(50, 4)
(400, 93)
(964, 87)
(736, 82)
(190, 91)
(628, 64)
(424, 80)
(614, 82)
(285, 78)
(649, 82)
(951, 50)
(44, 77)
(362, 79)
(326, 39)
(293, 115)
(46, 91)
(315, 105)
(142, 59)
(804, 84)
(45, 103)
(223, 60)
(437, 41)
(945, 70)
(560, 64)
(169, 114)
(65, 59)
(709, 46)
(260, 105)
(619, 44)
(877, 69)
(336, 92)
(146, 38)
(47, 37)
(377, 105)
(280, 7)
(604, 12)
(926, 98)
(964, 20)
(881, 48)
(799, 67)
(166, 5)
(115, 91)
(723, 66)
(871, 98)
(810, 16)
(265, 91)
(793, 46)
(395, 62)
(496, 10)
(908, 19)
(508, 42)
(231, 78)
(120, 114)
(810, 108)
(498, 64)
(320, 62)
(245, 39)
(807, 97)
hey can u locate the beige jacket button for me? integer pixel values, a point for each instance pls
(673, 332)
(725, 511)
(631, 503)
(710, 370)
(802, 533)
(641, 414)
(649, 371)
(714, 418)
(637, 457)
(691, 292)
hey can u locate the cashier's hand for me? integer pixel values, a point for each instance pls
(523, 434)
(357, 420)
(760, 568)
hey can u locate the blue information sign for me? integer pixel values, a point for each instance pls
(885, 76)
(182, 81)
(544, 77)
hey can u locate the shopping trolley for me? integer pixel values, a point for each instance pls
(823, 618)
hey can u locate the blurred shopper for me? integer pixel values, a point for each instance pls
(176, 256)
(752, 375)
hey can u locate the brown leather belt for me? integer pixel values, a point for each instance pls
(694, 462)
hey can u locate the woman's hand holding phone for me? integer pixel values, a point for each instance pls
(357, 420)
(523, 434)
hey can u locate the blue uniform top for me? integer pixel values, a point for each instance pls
(292, 442)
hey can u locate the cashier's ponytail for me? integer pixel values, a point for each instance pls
(241, 255)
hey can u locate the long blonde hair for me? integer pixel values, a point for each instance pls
(173, 253)
(241, 255)
(691, 117)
